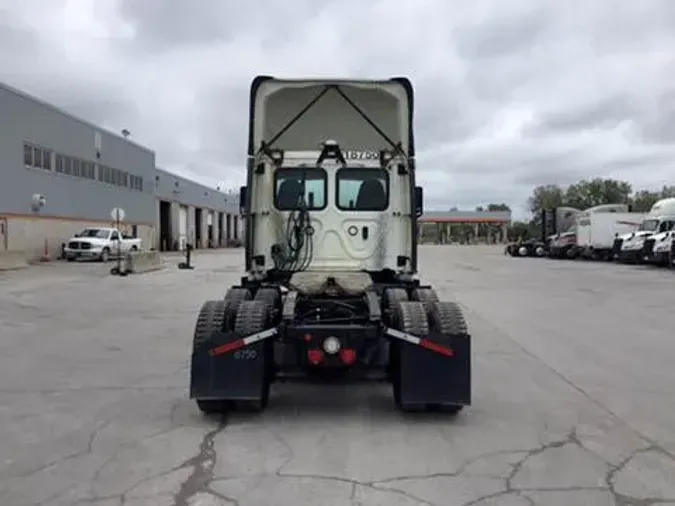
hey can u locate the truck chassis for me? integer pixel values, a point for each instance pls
(399, 333)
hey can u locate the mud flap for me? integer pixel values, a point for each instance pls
(240, 373)
(430, 377)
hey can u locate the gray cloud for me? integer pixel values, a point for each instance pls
(169, 24)
(609, 112)
(508, 94)
(503, 36)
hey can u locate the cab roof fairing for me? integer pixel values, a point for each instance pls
(290, 114)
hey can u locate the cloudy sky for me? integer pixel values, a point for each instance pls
(510, 93)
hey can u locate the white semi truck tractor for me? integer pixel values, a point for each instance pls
(639, 246)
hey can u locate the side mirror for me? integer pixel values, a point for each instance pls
(419, 201)
(242, 200)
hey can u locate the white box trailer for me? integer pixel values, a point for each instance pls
(598, 226)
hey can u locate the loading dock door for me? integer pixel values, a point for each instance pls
(210, 232)
(182, 227)
(3, 234)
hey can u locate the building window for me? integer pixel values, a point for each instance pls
(136, 183)
(27, 154)
(46, 159)
(37, 157)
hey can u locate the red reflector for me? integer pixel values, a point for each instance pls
(437, 348)
(347, 356)
(227, 348)
(315, 356)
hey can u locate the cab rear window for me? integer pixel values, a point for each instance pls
(300, 187)
(362, 189)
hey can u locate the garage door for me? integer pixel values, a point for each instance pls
(182, 227)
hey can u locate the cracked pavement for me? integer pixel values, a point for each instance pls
(573, 396)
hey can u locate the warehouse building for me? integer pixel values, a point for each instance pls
(62, 174)
(190, 213)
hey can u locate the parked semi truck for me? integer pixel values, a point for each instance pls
(657, 247)
(560, 232)
(638, 246)
(330, 286)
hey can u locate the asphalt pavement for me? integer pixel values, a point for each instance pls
(574, 396)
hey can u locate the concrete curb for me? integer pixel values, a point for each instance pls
(139, 262)
(13, 260)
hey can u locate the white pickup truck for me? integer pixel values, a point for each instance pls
(99, 244)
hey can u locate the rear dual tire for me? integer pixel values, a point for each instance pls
(424, 313)
(238, 313)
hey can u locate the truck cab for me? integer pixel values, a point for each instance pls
(563, 243)
(658, 246)
(331, 286)
(326, 191)
(637, 247)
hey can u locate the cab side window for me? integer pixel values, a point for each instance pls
(362, 189)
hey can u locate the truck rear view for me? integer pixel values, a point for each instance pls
(331, 286)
